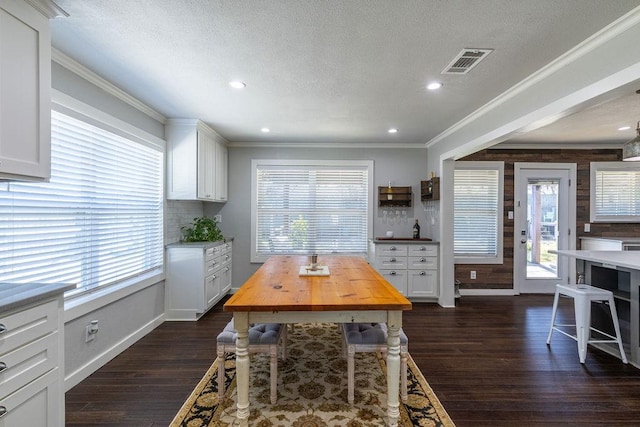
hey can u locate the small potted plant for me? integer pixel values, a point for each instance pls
(202, 229)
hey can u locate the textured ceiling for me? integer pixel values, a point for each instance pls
(324, 70)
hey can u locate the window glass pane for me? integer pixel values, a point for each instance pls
(311, 208)
(617, 194)
(97, 222)
(477, 210)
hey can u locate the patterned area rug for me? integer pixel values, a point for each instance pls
(312, 389)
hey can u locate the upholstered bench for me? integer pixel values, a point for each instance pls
(263, 338)
(371, 337)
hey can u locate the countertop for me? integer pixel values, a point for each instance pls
(14, 295)
(615, 239)
(203, 245)
(401, 239)
(628, 259)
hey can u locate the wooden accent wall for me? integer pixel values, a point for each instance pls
(494, 276)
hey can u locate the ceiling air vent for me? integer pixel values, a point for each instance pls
(466, 60)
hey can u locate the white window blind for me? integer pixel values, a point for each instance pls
(97, 222)
(304, 208)
(477, 212)
(615, 192)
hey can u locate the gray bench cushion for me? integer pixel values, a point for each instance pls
(259, 333)
(369, 333)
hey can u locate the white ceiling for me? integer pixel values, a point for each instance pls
(337, 71)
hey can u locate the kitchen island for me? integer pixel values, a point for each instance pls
(619, 272)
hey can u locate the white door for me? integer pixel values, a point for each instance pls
(544, 220)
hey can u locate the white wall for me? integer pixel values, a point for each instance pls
(404, 167)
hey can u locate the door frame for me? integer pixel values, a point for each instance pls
(519, 264)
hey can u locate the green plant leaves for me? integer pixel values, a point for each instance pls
(202, 229)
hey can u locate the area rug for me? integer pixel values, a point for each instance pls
(312, 389)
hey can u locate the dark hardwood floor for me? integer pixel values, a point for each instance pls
(487, 361)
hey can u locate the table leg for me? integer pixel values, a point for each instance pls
(393, 370)
(241, 323)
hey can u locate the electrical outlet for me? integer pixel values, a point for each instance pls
(587, 227)
(90, 331)
(473, 274)
(218, 218)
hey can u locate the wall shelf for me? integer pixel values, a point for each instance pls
(430, 190)
(394, 196)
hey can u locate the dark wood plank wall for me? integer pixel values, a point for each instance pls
(491, 276)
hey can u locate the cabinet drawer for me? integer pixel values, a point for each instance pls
(423, 262)
(423, 250)
(391, 250)
(391, 262)
(26, 363)
(27, 325)
(210, 253)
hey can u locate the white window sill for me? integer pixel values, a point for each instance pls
(77, 306)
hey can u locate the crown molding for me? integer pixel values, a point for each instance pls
(609, 32)
(48, 8)
(271, 144)
(82, 71)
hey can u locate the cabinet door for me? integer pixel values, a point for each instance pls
(36, 404)
(397, 278)
(225, 281)
(422, 283)
(206, 167)
(25, 85)
(212, 288)
(221, 172)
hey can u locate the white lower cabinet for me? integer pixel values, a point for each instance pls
(31, 364)
(198, 276)
(411, 267)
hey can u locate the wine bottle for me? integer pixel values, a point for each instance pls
(416, 230)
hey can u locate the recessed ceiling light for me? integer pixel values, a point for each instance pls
(237, 84)
(393, 130)
(265, 130)
(434, 85)
(625, 128)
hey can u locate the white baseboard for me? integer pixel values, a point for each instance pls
(74, 378)
(488, 292)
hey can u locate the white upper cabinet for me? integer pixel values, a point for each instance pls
(196, 162)
(25, 88)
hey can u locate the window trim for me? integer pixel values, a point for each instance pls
(499, 257)
(258, 258)
(76, 303)
(608, 166)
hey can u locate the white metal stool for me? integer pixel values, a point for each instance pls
(582, 296)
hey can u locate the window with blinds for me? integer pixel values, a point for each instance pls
(478, 201)
(615, 192)
(99, 221)
(301, 207)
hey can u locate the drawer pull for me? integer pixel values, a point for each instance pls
(3, 328)
(3, 367)
(423, 260)
(422, 273)
(392, 260)
(392, 248)
(423, 248)
(3, 411)
(392, 273)
(226, 269)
